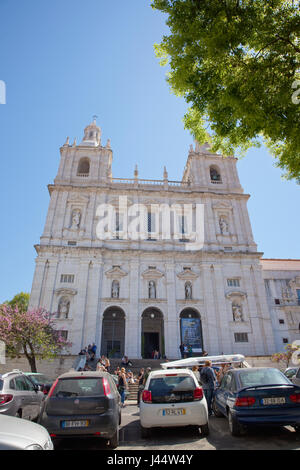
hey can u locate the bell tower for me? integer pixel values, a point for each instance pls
(88, 163)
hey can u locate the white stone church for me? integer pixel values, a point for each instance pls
(134, 295)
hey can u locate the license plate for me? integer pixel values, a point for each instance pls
(75, 424)
(173, 412)
(274, 401)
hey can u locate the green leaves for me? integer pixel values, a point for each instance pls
(235, 63)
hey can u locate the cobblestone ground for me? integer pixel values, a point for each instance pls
(187, 439)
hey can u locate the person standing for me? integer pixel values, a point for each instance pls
(208, 381)
(122, 385)
(181, 347)
(141, 385)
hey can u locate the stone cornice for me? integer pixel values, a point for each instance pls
(109, 188)
(140, 254)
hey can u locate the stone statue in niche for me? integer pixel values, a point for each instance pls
(223, 225)
(152, 290)
(188, 290)
(237, 312)
(76, 217)
(115, 289)
(63, 307)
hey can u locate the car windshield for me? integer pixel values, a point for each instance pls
(40, 379)
(172, 389)
(254, 377)
(83, 387)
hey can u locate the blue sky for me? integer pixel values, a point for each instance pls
(64, 61)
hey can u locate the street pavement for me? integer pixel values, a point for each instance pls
(188, 439)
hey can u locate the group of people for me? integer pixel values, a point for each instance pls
(89, 352)
(207, 376)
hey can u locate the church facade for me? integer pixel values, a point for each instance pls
(134, 294)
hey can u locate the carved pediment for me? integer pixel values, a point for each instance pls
(152, 273)
(78, 199)
(115, 201)
(222, 205)
(115, 272)
(235, 293)
(187, 275)
(65, 291)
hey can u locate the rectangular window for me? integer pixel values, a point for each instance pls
(241, 337)
(277, 301)
(72, 243)
(233, 282)
(69, 278)
(281, 321)
(285, 340)
(62, 333)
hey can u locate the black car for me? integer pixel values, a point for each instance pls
(83, 404)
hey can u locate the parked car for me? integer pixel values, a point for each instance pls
(20, 434)
(85, 404)
(170, 398)
(42, 380)
(296, 378)
(257, 396)
(290, 372)
(19, 396)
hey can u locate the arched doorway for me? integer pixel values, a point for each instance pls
(113, 332)
(191, 330)
(152, 332)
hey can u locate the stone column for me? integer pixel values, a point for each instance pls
(213, 346)
(171, 319)
(89, 330)
(50, 217)
(133, 315)
(80, 305)
(41, 268)
(221, 311)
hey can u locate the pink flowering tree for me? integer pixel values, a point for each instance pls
(286, 356)
(30, 332)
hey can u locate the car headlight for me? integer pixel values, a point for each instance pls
(34, 447)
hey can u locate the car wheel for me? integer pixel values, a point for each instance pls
(216, 410)
(114, 440)
(204, 430)
(234, 426)
(145, 432)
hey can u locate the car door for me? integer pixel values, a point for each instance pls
(35, 398)
(24, 398)
(221, 394)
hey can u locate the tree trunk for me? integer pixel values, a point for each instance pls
(31, 359)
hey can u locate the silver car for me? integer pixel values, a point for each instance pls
(19, 434)
(19, 396)
(296, 378)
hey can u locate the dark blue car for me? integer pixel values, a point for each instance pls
(257, 396)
